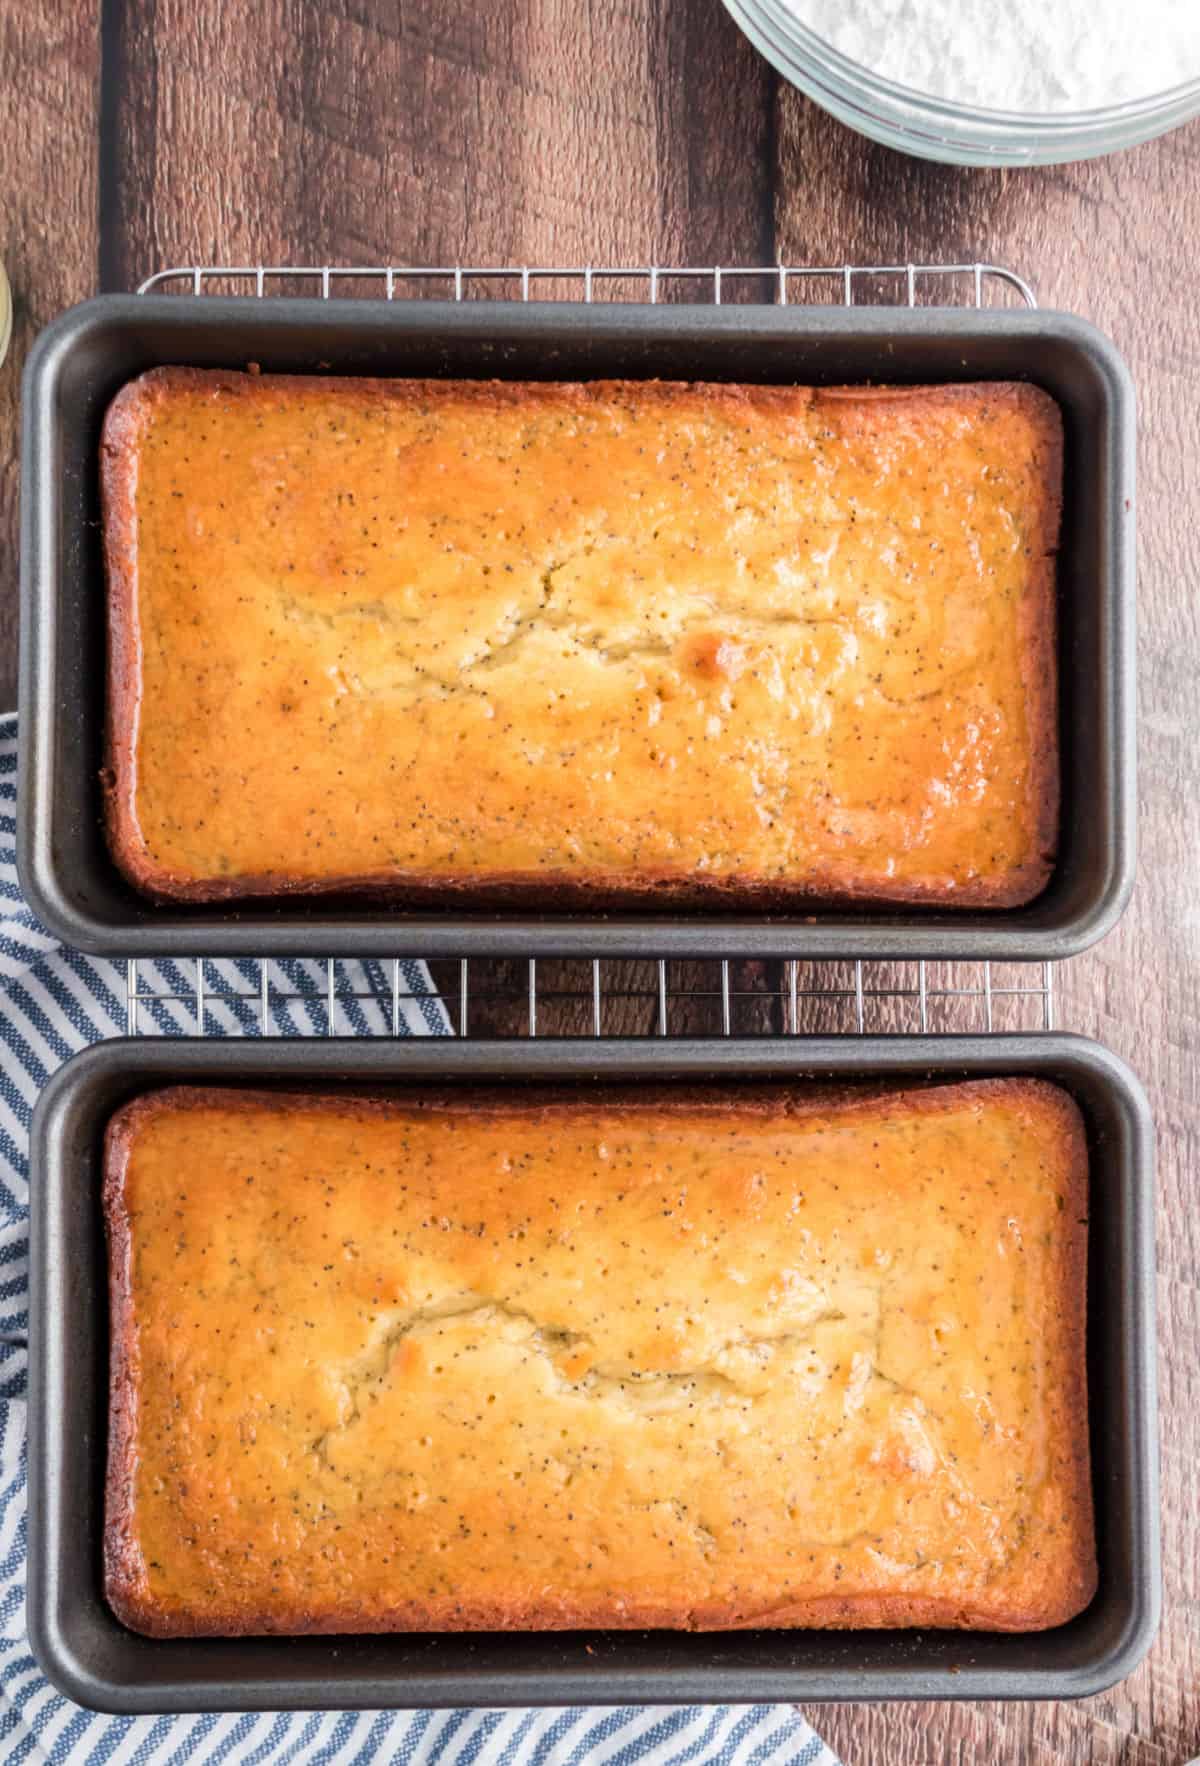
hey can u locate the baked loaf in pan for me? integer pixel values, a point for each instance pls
(680, 1359)
(601, 645)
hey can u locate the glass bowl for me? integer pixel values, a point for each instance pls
(936, 128)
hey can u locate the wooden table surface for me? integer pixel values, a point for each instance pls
(144, 133)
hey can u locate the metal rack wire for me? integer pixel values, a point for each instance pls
(481, 997)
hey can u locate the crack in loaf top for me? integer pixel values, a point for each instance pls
(616, 637)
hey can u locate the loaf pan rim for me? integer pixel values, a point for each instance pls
(140, 1063)
(51, 884)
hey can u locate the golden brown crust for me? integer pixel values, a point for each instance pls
(1039, 635)
(119, 455)
(818, 881)
(121, 1554)
(1049, 1571)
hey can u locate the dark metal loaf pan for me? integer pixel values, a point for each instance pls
(80, 361)
(92, 1658)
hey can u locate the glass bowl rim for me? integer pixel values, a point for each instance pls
(824, 58)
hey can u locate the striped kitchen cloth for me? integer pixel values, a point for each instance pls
(52, 1002)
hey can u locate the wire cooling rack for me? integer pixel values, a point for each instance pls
(978, 285)
(483, 997)
(545, 997)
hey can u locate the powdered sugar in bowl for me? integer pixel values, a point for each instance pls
(989, 82)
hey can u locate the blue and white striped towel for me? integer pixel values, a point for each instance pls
(52, 1002)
